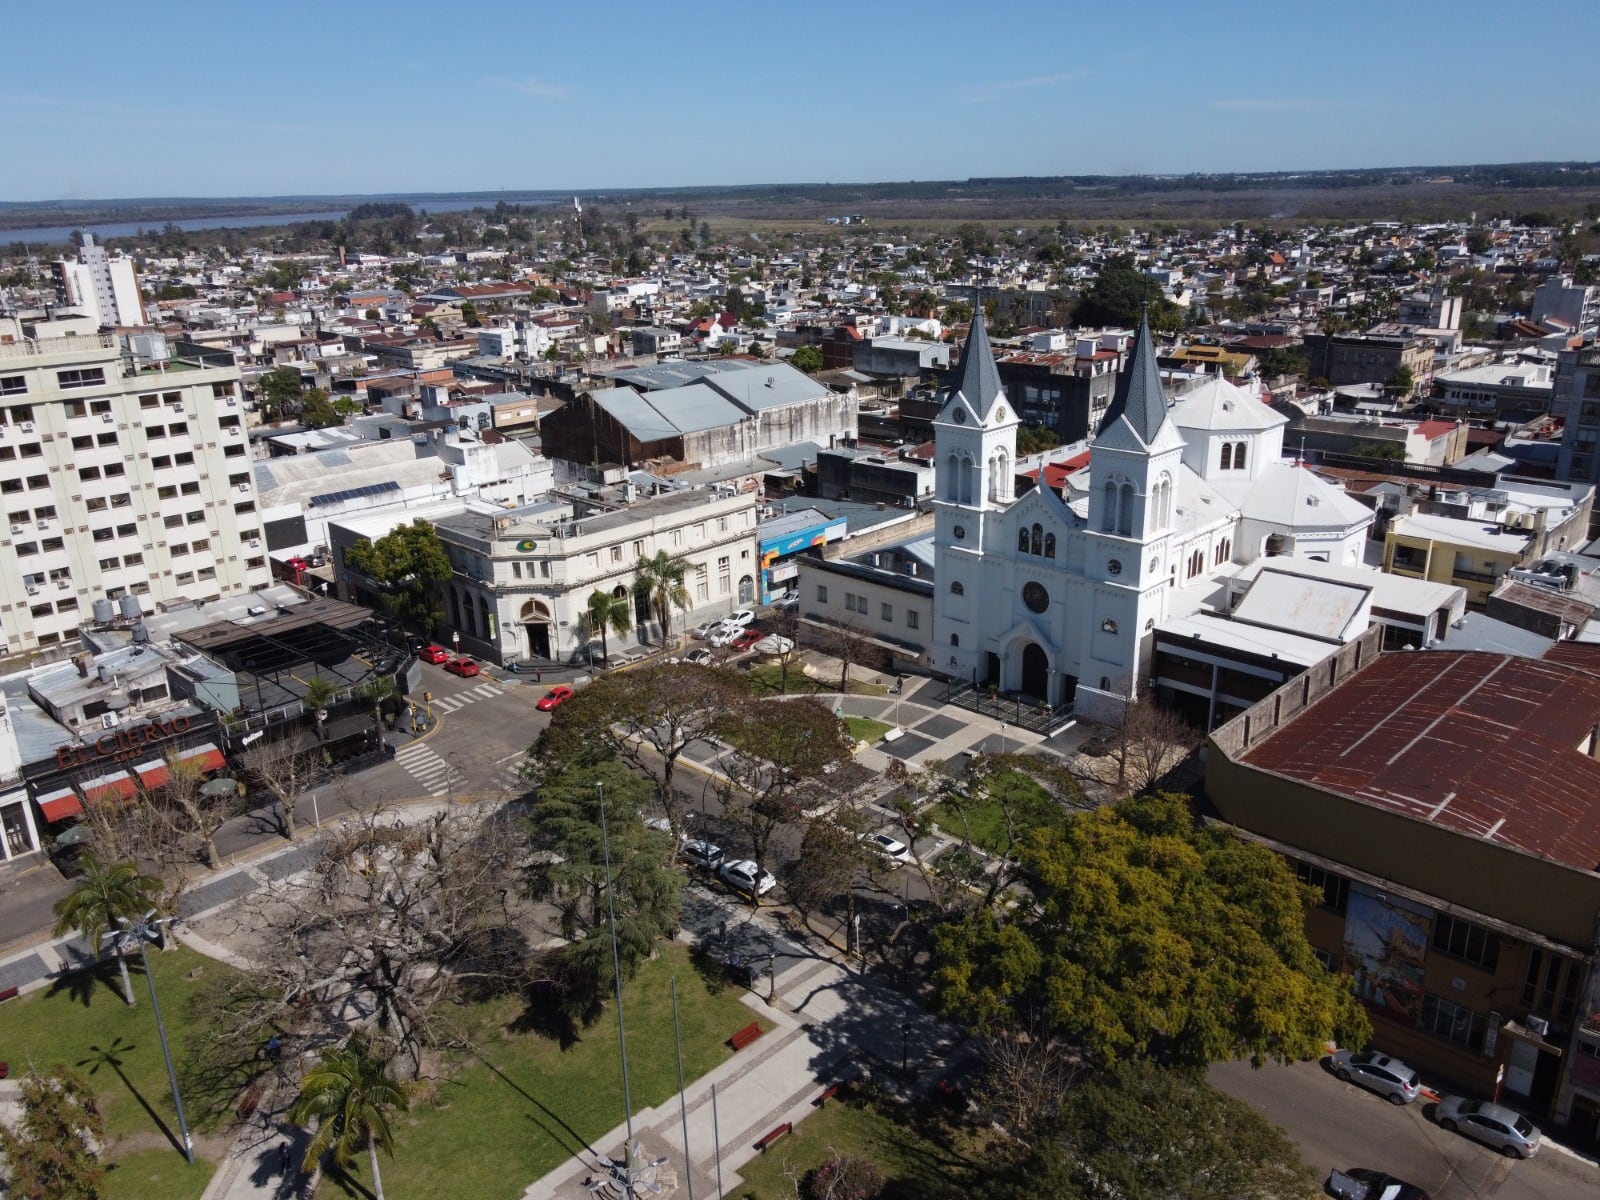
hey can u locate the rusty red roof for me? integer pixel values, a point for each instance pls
(1435, 429)
(1485, 745)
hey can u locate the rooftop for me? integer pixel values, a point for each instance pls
(1484, 745)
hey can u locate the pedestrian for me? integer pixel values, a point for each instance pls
(274, 1047)
(538, 675)
(285, 1158)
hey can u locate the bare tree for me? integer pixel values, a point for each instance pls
(1026, 1074)
(853, 646)
(287, 770)
(1148, 742)
(194, 809)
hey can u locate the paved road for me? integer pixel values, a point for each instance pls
(1340, 1125)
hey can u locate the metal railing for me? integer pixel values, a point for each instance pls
(40, 347)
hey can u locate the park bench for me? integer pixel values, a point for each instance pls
(7, 993)
(745, 1036)
(5, 1070)
(774, 1135)
(827, 1095)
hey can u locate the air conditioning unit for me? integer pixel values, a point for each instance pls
(255, 543)
(16, 529)
(108, 720)
(233, 402)
(33, 589)
(43, 523)
(108, 418)
(1538, 1026)
(63, 584)
(244, 487)
(27, 427)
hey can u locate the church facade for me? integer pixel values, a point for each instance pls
(1057, 596)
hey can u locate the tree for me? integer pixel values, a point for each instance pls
(280, 392)
(1031, 439)
(830, 857)
(607, 613)
(378, 691)
(469, 314)
(106, 893)
(786, 753)
(660, 581)
(1147, 742)
(843, 1177)
(1148, 936)
(1119, 294)
(285, 768)
(568, 871)
(52, 1152)
(807, 359)
(319, 412)
(1403, 382)
(194, 809)
(1139, 1131)
(410, 566)
(350, 1097)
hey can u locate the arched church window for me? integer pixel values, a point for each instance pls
(1164, 502)
(1022, 541)
(1125, 510)
(1238, 456)
(1108, 626)
(955, 639)
(956, 589)
(1108, 518)
(952, 482)
(1002, 476)
(1227, 455)
(966, 480)
(1037, 540)
(1049, 545)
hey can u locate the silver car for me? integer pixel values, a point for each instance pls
(1494, 1125)
(741, 877)
(1389, 1077)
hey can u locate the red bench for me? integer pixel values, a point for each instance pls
(827, 1095)
(786, 1127)
(5, 1070)
(745, 1036)
(8, 993)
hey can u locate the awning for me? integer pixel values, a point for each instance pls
(59, 805)
(205, 757)
(119, 785)
(151, 774)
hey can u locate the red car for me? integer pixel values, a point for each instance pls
(554, 698)
(434, 654)
(463, 667)
(746, 639)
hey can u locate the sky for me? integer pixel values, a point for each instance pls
(108, 99)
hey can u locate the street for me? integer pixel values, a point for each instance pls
(1341, 1125)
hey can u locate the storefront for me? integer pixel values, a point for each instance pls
(785, 538)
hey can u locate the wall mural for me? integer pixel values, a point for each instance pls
(1385, 943)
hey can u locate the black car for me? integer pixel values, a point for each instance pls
(1363, 1183)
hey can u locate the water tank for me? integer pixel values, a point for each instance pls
(129, 606)
(141, 634)
(104, 611)
(117, 699)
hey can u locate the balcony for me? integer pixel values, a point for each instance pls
(57, 347)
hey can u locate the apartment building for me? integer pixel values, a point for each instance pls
(101, 286)
(117, 480)
(1577, 388)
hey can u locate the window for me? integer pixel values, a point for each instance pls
(32, 450)
(19, 413)
(172, 522)
(36, 482)
(150, 401)
(1452, 1022)
(1464, 940)
(1335, 888)
(13, 385)
(127, 530)
(86, 377)
(638, 548)
(887, 612)
(99, 535)
(26, 548)
(109, 564)
(105, 439)
(167, 492)
(955, 639)
(132, 560)
(182, 578)
(956, 589)
(52, 544)
(912, 619)
(155, 431)
(1329, 960)
(114, 470)
(722, 524)
(822, 594)
(160, 462)
(616, 554)
(1108, 626)
(10, 485)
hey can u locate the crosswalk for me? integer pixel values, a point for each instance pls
(460, 700)
(440, 778)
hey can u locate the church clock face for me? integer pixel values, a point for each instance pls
(1114, 566)
(959, 416)
(1035, 597)
(1155, 565)
(960, 531)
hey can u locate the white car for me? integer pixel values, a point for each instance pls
(741, 618)
(891, 848)
(741, 876)
(723, 635)
(774, 644)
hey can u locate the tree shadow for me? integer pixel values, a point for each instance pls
(81, 983)
(573, 1141)
(111, 1056)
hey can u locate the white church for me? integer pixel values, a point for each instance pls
(1058, 598)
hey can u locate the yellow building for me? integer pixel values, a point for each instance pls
(1471, 554)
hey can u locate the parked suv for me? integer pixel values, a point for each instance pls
(1389, 1077)
(705, 855)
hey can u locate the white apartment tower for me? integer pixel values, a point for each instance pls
(100, 286)
(116, 482)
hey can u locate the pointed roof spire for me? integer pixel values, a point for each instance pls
(977, 378)
(1139, 398)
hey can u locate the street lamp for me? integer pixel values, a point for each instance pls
(905, 1045)
(772, 976)
(145, 931)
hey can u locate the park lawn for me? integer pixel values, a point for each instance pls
(767, 680)
(527, 1106)
(865, 729)
(911, 1155)
(156, 1174)
(981, 819)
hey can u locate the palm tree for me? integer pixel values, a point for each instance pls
(660, 579)
(375, 691)
(604, 613)
(106, 892)
(350, 1095)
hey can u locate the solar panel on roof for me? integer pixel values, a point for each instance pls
(371, 489)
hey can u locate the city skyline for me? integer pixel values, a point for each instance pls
(334, 101)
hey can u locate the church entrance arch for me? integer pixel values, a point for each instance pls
(1035, 671)
(537, 621)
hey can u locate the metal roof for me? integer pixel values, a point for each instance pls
(1484, 745)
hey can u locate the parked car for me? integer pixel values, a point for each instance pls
(740, 875)
(554, 698)
(746, 639)
(774, 644)
(414, 643)
(434, 654)
(705, 855)
(1363, 1183)
(788, 602)
(723, 635)
(1389, 1077)
(741, 618)
(890, 847)
(464, 667)
(701, 632)
(698, 658)
(1494, 1125)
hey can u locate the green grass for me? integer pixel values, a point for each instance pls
(768, 680)
(157, 1174)
(528, 1105)
(915, 1158)
(865, 729)
(980, 817)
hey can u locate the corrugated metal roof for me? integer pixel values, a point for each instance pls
(1485, 745)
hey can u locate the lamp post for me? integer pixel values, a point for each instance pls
(772, 977)
(905, 1046)
(616, 964)
(144, 931)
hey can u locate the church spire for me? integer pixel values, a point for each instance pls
(1139, 399)
(977, 378)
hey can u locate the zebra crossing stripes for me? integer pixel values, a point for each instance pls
(461, 699)
(420, 762)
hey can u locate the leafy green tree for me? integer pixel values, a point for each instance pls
(105, 893)
(410, 565)
(957, 312)
(1119, 294)
(807, 359)
(469, 314)
(605, 614)
(51, 1153)
(568, 872)
(1031, 439)
(351, 1097)
(1403, 382)
(660, 580)
(1138, 1131)
(317, 411)
(280, 392)
(1151, 937)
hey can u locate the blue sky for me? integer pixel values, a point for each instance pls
(114, 99)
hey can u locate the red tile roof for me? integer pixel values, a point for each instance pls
(1485, 745)
(1434, 429)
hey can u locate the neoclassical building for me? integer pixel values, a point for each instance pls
(1057, 595)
